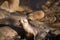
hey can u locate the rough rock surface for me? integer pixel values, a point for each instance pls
(41, 16)
(7, 33)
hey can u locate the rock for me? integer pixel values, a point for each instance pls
(2, 15)
(9, 18)
(7, 33)
(48, 19)
(10, 5)
(43, 29)
(56, 32)
(56, 25)
(36, 15)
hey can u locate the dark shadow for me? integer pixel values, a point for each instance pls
(21, 32)
(51, 36)
(33, 4)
